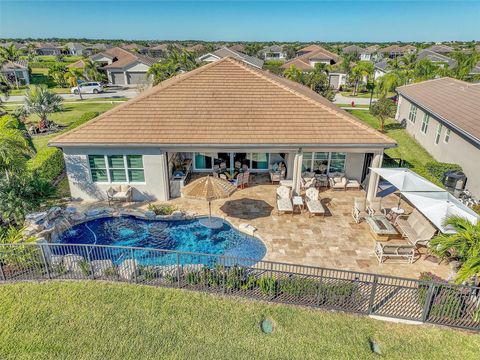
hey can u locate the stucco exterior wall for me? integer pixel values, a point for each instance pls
(458, 150)
(155, 186)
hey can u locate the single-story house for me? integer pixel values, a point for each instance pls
(440, 49)
(16, 72)
(369, 53)
(311, 55)
(18, 46)
(158, 51)
(223, 112)
(136, 48)
(353, 49)
(394, 51)
(238, 47)
(437, 58)
(196, 48)
(443, 115)
(380, 68)
(123, 67)
(228, 52)
(76, 49)
(274, 52)
(47, 49)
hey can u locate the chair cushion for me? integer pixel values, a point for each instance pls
(284, 204)
(315, 206)
(353, 183)
(120, 195)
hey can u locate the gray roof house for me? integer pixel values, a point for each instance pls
(380, 68)
(437, 58)
(441, 49)
(227, 52)
(353, 49)
(76, 49)
(273, 52)
(47, 48)
(16, 72)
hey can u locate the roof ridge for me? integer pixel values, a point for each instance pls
(262, 74)
(153, 90)
(432, 80)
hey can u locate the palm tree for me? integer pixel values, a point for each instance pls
(91, 72)
(390, 81)
(464, 245)
(57, 71)
(465, 63)
(40, 101)
(4, 89)
(407, 64)
(294, 74)
(10, 53)
(425, 69)
(13, 151)
(364, 69)
(72, 76)
(176, 63)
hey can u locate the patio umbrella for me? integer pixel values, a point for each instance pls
(406, 180)
(437, 206)
(208, 188)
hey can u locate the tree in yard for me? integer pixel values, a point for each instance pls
(294, 74)
(72, 76)
(390, 81)
(40, 101)
(91, 72)
(10, 53)
(362, 71)
(4, 90)
(57, 71)
(465, 63)
(176, 63)
(253, 49)
(464, 246)
(14, 149)
(383, 108)
(425, 69)
(318, 81)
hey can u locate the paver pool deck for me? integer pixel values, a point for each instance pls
(334, 241)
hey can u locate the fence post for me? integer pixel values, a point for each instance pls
(428, 300)
(224, 272)
(372, 294)
(2, 274)
(319, 287)
(272, 282)
(92, 275)
(45, 261)
(178, 268)
(132, 254)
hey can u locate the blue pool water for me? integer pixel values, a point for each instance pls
(184, 236)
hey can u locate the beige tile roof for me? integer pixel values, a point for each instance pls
(312, 52)
(226, 102)
(455, 101)
(124, 58)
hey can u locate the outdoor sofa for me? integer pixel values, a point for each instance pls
(389, 250)
(415, 228)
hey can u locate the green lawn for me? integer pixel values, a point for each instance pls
(87, 320)
(408, 148)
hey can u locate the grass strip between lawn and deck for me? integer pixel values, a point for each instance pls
(88, 320)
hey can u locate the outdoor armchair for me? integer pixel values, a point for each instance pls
(375, 207)
(119, 193)
(359, 210)
(338, 182)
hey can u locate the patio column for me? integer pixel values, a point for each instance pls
(297, 172)
(164, 181)
(290, 165)
(373, 179)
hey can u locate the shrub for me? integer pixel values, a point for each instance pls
(438, 169)
(85, 267)
(162, 209)
(10, 122)
(47, 164)
(267, 285)
(299, 286)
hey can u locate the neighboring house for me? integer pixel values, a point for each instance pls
(353, 49)
(228, 52)
(442, 60)
(76, 49)
(122, 67)
(370, 54)
(440, 49)
(16, 72)
(47, 49)
(223, 112)
(337, 79)
(443, 115)
(380, 68)
(18, 46)
(196, 49)
(238, 47)
(311, 55)
(274, 52)
(409, 49)
(136, 48)
(158, 51)
(394, 51)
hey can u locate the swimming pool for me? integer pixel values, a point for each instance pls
(182, 236)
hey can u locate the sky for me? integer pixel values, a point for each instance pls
(239, 20)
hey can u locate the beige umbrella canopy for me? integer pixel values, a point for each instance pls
(208, 188)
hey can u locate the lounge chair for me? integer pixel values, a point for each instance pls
(314, 205)
(359, 210)
(415, 228)
(375, 207)
(284, 202)
(119, 193)
(352, 184)
(388, 250)
(338, 182)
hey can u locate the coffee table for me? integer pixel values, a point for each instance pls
(380, 227)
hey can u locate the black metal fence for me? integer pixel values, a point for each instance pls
(370, 294)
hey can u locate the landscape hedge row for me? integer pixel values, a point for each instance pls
(48, 162)
(434, 171)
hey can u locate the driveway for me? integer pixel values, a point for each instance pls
(340, 99)
(108, 94)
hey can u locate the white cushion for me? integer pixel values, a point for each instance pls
(120, 195)
(315, 207)
(284, 204)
